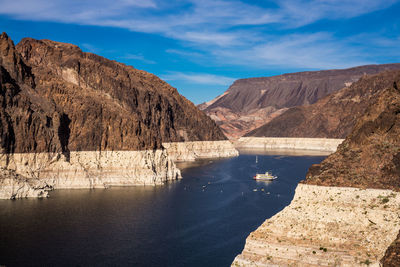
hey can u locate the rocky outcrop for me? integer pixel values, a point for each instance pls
(370, 155)
(271, 143)
(250, 103)
(77, 120)
(111, 106)
(14, 186)
(190, 151)
(335, 208)
(95, 169)
(331, 117)
(326, 226)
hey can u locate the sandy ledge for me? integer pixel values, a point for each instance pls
(326, 226)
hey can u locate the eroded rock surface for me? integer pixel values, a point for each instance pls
(251, 103)
(335, 208)
(331, 117)
(75, 119)
(15, 186)
(326, 226)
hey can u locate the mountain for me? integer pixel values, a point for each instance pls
(370, 155)
(333, 116)
(70, 119)
(56, 97)
(250, 103)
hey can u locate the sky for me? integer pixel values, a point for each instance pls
(201, 47)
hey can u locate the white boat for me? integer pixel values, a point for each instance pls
(264, 176)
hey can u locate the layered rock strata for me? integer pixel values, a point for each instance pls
(190, 151)
(14, 186)
(250, 103)
(326, 226)
(70, 119)
(333, 116)
(335, 208)
(94, 169)
(271, 143)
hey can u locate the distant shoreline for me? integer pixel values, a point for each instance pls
(310, 145)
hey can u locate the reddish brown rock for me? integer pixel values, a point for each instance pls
(251, 103)
(57, 98)
(331, 117)
(392, 254)
(369, 157)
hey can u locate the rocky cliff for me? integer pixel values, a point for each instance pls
(250, 103)
(72, 119)
(370, 155)
(331, 117)
(335, 217)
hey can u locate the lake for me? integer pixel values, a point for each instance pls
(201, 220)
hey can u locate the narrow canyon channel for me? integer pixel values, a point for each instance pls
(201, 220)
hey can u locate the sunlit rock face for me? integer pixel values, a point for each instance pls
(78, 120)
(251, 103)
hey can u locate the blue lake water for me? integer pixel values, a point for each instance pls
(201, 220)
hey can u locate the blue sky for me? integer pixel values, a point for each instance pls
(200, 47)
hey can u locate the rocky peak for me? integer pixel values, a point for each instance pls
(331, 117)
(251, 103)
(11, 61)
(84, 102)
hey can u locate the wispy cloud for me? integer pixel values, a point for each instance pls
(316, 50)
(199, 78)
(138, 57)
(221, 30)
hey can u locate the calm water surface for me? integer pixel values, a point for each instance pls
(201, 220)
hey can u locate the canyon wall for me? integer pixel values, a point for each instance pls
(326, 226)
(345, 212)
(86, 169)
(190, 151)
(70, 119)
(251, 103)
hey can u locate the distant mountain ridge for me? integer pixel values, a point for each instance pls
(334, 116)
(250, 103)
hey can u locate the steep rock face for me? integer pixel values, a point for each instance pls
(110, 105)
(331, 117)
(392, 254)
(335, 217)
(76, 120)
(28, 122)
(326, 226)
(250, 103)
(370, 155)
(190, 151)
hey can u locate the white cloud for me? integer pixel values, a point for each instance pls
(313, 51)
(199, 78)
(220, 30)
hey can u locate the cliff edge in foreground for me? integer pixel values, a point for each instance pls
(346, 211)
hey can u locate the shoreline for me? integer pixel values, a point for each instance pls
(34, 174)
(326, 226)
(287, 143)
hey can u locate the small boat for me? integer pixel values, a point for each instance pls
(264, 176)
